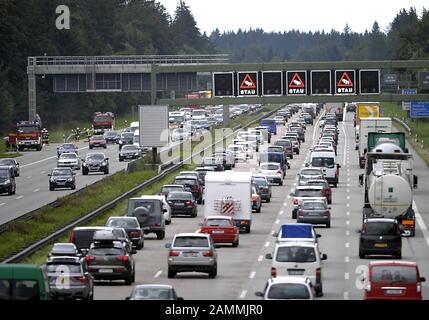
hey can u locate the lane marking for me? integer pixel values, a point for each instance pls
(29, 177)
(348, 213)
(421, 223)
(260, 258)
(277, 221)
(43, 172)
(285, 204)
(281, 212)
(348, 197)
(36, 190)
(348, 190)
(46, 159)
(346, 276)
(20, 197)
(252, 274)
(347, 222)
(2, 204)
(345, 144)
(267, 244)
(243, 294)
(346, 295)
(347, 233)
(348, 204)
(158, 274)
(347, 259)
(347, 245)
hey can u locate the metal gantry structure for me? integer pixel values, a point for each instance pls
(154, 66)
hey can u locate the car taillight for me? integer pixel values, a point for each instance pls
(135, 234)
(71, 237)
(326, 213)
(419, 287)
(162, 193)
(189, 203)
(368, 287)
(301, 213)
(328, 190)
(122, 258)
(279, 171)
(157, 225)
(197, 188)
(89, 258)
(295, 201)
(173, 253)
(254, 197)
(81, 279)
(273, 272)
(318, 274)
(208, 253)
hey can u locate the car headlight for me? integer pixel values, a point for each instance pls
(104, 163)
(85, 164)
(6, 182)
(70, 179)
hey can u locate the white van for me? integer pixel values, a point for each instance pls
(298, 259)
(135, 125)
(136, 139)
(328, 162)
(229, 193)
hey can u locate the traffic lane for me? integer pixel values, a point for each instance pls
(413, 249)
(233, 263)
(33, 184)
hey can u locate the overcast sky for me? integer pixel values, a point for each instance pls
(285, 15)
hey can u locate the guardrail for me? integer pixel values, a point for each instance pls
(57, 234)
(404, 124)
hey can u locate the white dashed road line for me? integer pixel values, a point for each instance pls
(252, 274)
(243, 294)
(260, 258)
(158, 274)
(267, 244)
(36, 190)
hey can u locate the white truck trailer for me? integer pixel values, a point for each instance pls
(380, 125)
(229, 193)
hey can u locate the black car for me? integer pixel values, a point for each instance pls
(7, 181)
(111, 137)
(67, 148)
(264, 187)
(95, 162)
(109, 260)
(182, 203)
(62, 178)
(380, 237)
(131, 226)
(191, 184)
(82, 237)
(12, 163)
(126, 138)
(129, 152)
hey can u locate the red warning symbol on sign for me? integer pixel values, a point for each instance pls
(247, 83)
(296, 82)
(345, 81)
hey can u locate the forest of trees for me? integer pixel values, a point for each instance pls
(406, 38)
(135, 27)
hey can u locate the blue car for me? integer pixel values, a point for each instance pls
(67, 148)
(270, 124)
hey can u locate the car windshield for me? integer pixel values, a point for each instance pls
(19, 290)
(110, 134)
(381, 228)
(4, 174)
(323, 162)
(68, 146)
(313, 206)
(179, 131)
(261, 182)
(68, 156)
(288, 291)
(282, 143)
(275, 149)
(311, 172)
(61, 172)
(218, 223)
(269, 167)
(7, 162)
(63, 268)
(309, 193)
(169, 189)
(193, 242)
(272, 157)
(392, 274)
(184, 181)
(96, 157)
(127, 135)
(97, 138)
(109, 251)
(122, 223)
(180, 196)
(148, 205)
(130, 148)
(296, 254)
(152, 293)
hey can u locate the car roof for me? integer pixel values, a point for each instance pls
(155, 285)
(296, 243)
(380, 220)
(289, 279)
(90, 228)
(393, 262)
(64, 259)
(309, 187)
(268, 163)
(173, 185)
(218, 217)
(189, 234)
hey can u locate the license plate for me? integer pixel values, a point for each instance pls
(295, 272)
(190, 254)
(381, 245)
(61, 183)
(218, 231)
(105, 270)
(179, 204)
(313, 214)
(394, 291)
(408, 222)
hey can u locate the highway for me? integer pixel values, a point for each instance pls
(244, 270)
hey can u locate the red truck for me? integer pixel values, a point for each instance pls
(103, 121)
(25, 135)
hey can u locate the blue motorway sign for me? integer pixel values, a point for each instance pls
(419, 109)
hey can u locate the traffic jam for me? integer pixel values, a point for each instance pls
(224, 198)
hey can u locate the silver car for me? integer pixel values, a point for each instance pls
(192, 252)
(70, 160)
(314, 212)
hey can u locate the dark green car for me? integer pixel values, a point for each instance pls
(23, 282)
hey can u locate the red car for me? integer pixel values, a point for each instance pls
(393, 280)
(222, 229)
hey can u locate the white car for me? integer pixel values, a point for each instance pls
(280, 120)
(180, 134)
(272, 171)
(247, 148)
(239, 152)
(299, 259)
(287, 288)
(259, 134)
(70, 160)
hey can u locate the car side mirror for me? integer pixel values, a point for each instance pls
(49, 175)
(307, 164)
(338, 166)
(275, 234)
(259, 294)
(134, 251)
(324, 256)
(415, 181)
(200, 224)
(106, 159)
(164, 210)
(358, 231)
(168, 245)
(269, 256)
(422, 279)
(292, 194)
(361, 179)
(127, 298)
(180, 298)
(318, 235)
(217, 245)
(329, 208)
